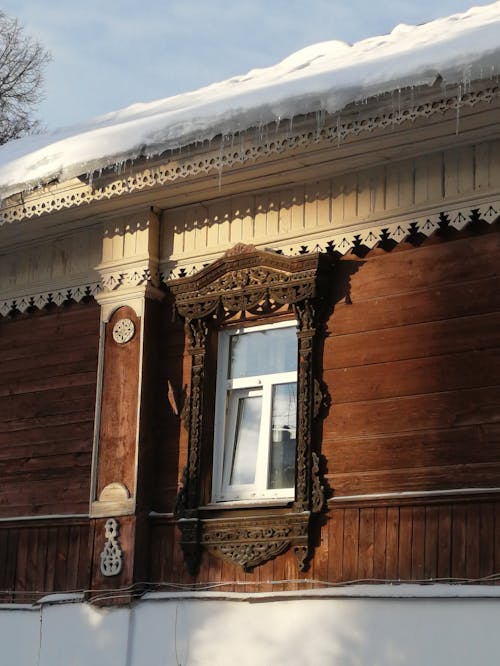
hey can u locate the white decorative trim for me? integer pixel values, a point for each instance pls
(229, 154)
(111, 556)
(117, 284)
(121, 283)
(361, 236)
(41, 299)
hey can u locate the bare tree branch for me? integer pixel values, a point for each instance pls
(22, 62)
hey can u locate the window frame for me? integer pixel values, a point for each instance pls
(226, 418)
(243, 287)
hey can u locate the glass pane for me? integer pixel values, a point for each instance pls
(263, 352)
(246, 440)
(283, 436)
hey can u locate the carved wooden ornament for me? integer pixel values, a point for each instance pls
(250, 282)
(111, 556)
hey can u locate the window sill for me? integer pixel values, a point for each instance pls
(247, 504)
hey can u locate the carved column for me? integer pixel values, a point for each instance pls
(123, 433)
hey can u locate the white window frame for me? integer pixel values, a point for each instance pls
(225, 423)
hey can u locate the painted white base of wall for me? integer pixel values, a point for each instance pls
(224, 630)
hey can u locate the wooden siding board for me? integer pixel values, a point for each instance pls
(497, 539)
(464, 445)
(477, 296)
(380, 543)
(413, 341)
(405, 543)
(459, 542)
(437, 263)
(351, 544)
(446, 477)
(336, 545)
(411, 413)
(431, 542)
(320, 559)
(421, 376)
(418, 543)
(472, 543)
(486, 540)
(11, 562)
(392, 548)
(366, 543)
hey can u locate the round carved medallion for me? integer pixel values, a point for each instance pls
(123, 331)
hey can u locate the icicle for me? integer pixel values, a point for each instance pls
(459, 102)
(219, 169)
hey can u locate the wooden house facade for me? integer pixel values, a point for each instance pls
(375, 240)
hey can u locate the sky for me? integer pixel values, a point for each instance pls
(107, 54)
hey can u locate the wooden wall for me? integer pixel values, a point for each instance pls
(40, 557)
(48, 375)
(457, 538)
(412, 362)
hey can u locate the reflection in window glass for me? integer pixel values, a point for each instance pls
(283, 436)
(246, 440)
(263, 352)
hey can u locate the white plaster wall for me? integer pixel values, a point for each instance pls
(220, 632)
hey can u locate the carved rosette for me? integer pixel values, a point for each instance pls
(249, 281)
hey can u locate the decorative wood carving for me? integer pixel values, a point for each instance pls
(243, 281)
(111, 556)
(251, 541)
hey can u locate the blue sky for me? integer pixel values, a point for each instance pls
(108, 54)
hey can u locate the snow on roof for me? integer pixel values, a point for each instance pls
(324, 77)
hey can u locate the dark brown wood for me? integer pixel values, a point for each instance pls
(459, 542)
(486, 542)
(380, 543)
(431, 542)
(351, 544)
(431, 303)
(41, 557)
(418, 543)
(120, 392)
(366, 544)
(413, 340)
(48, 379)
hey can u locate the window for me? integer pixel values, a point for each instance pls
(256, 413)
(250, 425)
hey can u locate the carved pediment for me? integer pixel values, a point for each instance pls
(246, 279)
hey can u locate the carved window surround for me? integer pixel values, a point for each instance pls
(249, 284)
